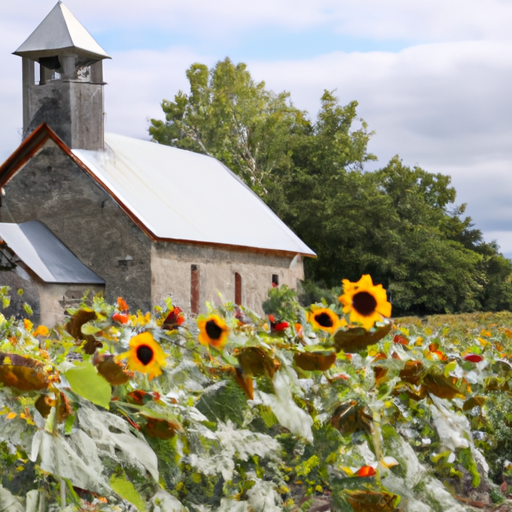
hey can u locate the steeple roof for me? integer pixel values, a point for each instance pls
(60, 33)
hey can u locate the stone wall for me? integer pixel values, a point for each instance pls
(51, 188)
(56, 298)
(48, 301)
(74, 110)
(171, 268)
(16, 279)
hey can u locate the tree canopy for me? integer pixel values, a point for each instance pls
(399, 224)
(229, 116)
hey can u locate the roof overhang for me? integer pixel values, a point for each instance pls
(45, 255)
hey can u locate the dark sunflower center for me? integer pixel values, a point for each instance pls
(364, 303)
(324, 320)
(213, 330)
(145, 354)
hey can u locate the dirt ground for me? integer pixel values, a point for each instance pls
(504, 507)
(323, 504)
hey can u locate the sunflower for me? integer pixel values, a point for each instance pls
(323, 319)
(365, 302)
(212, 331)
(145, 355)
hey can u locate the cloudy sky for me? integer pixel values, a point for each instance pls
(432, 77)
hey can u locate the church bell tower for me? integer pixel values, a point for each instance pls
(63, 80)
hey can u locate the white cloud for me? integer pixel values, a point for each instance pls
(138, 81)
(506, 240)
(432, 20)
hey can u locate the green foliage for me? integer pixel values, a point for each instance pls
(496, 434)
(281, 302)
(224, 404)
(86, 382)
(393, 224)
(231, 117)
(126, 490)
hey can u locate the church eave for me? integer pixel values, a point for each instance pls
(37, 54)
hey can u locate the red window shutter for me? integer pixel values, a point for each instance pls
(194, 289)
(238, 289)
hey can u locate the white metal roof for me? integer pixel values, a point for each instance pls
(182, 195)
(45, 254)
(60, 30)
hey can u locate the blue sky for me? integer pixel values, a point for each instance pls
(269, 43)
(431, 77)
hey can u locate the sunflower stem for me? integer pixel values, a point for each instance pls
(62, 486)
(56, 417)
(376, 433)
(42, 500)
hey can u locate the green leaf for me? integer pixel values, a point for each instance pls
(68, 425)
(127, 491)
(449, 368)
(28, 309)
(86, 382)
(468, 461)
(90, 329)
(435, 458)
(268, 416)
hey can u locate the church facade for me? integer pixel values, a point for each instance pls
(152, 221)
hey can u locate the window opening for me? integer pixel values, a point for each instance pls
(37, 72)
(275, 280)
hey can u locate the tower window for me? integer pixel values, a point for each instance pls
(275, 280)
(50, 62)
(238, 289)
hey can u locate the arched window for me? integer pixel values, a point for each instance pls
(238, 289)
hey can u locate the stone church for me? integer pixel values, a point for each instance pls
(130, 217)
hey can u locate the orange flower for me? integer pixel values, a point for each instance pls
(366, 471)
(41, 331)
(174, 319)
(122, 318)
(401, 339)
(121, 304)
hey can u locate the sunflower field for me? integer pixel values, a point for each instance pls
(329, 407)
